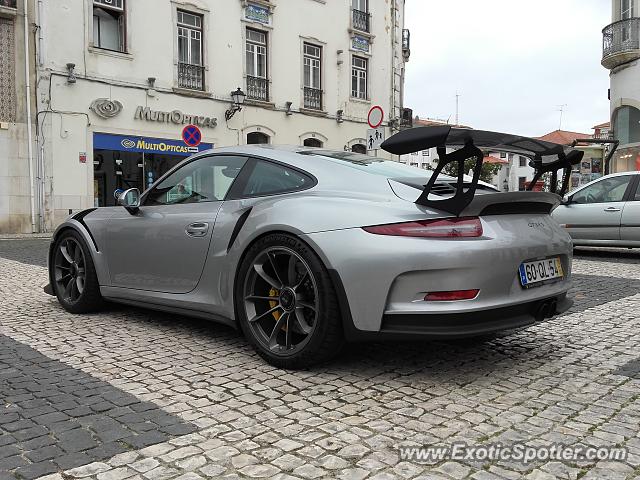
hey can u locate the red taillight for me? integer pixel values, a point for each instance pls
(442, 228)
(451, 296)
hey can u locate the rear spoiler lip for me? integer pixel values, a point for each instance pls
(481, 202)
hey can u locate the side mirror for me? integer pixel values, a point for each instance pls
(130, 199)
(566, 200)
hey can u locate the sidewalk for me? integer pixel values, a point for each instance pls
(24, 236)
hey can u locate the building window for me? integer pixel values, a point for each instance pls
(360, 12)
(626, 124)
(414, 164)
(523, 161)
(503, 155)
(425, 153)
(359, 148)
(312, 142)
(522, 183)
(359, 74)
(109, 25)
(254, 138)
(190, 61)
(312, 61)
(257, 83)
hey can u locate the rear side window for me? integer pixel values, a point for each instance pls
(270, 178)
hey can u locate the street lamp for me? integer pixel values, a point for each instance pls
(238, 97)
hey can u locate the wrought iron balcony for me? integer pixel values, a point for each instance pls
(360, 20)
(8, 3)
(621, 42)
(312, 98)
(191, 76)
(258, 88)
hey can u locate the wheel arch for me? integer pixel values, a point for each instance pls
(79, 227)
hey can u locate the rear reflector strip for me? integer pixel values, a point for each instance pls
(451, 296)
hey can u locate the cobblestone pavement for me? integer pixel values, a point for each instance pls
(152, 396)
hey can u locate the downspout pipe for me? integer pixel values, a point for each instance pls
(27, 73)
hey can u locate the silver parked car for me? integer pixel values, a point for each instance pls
(605, 212)
(304, 249)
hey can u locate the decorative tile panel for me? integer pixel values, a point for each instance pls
(7, 71)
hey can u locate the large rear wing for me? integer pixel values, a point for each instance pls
(546, 158)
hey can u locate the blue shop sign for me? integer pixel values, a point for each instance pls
(133, 143)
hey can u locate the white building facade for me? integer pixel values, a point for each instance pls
(119, 80)
(621, 55)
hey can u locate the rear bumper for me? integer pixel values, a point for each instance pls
(457, 325)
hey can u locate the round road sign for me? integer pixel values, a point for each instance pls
(191, 135)
(375, 117)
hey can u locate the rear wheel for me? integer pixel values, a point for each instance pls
(73, 274)
(286, 303)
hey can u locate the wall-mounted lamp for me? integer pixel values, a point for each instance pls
(237, 96)
(71, 77)
(339, 117)
(151, 81)
(287, 105)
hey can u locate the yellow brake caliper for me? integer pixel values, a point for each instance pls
(272, 303)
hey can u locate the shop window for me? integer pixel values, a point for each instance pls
(254, 138)
(359, 148)
(626, 124)
(109, 25)
(207, 179)
(312, 142)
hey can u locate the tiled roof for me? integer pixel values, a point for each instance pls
(563, 137)
(490, 159)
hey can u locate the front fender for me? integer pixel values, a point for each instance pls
(98, 257)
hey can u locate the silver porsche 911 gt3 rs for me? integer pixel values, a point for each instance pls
(304, 249)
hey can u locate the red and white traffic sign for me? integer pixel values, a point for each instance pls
(376, 116)
(191, 135)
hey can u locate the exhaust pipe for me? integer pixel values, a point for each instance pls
(547, 309)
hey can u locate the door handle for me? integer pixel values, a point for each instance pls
(197, 229)
(611, 209)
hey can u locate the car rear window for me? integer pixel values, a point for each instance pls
(269, 178)
(376, 166)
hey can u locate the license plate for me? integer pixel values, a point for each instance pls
(538, 271)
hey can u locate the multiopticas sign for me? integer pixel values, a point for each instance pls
(174, 116)
(143, 145)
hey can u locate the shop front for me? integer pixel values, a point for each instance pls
(130, 161)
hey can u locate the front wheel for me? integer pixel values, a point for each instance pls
(73, 275)
(286, 303)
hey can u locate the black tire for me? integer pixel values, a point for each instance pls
(326, 338)
(74, 300)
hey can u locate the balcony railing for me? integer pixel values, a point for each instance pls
(361, 20)
(312, 98)
(190, 76)
(603, 136)
(8, 3)
(258, 88)
(621, 42)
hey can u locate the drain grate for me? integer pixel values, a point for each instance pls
(630, 369)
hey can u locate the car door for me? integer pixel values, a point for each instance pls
(630, 223)
(595, 211)
(163, 246)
